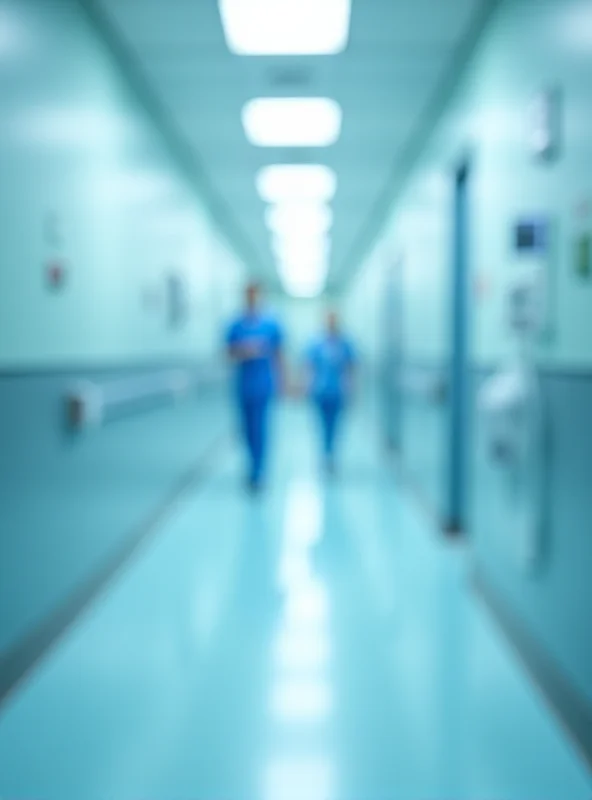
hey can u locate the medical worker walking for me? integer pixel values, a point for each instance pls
(254, 343)
(331, 363)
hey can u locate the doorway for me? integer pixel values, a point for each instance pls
(390, 336)
(456, 463)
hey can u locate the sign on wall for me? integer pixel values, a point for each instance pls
(544, 125)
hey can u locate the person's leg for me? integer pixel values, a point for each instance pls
(332, 415)
(322, 420)
(246, 419)
(259, 422)
(326, 414)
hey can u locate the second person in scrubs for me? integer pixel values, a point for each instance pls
(331, 362)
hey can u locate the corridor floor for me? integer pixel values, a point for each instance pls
(317, 643)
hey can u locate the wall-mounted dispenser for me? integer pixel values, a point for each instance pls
(510, 406)
(510, 403)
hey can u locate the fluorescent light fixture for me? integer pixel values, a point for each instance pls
(303, 273)
(309, 271)
(296, 182)
(303, 287)
(292, 122)
(294, 250)
(285, 27)
(299, 219)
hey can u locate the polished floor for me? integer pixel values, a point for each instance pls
(317, 643)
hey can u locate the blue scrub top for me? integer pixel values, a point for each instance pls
(330, 358)
(256, 378)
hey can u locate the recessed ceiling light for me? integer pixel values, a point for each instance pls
(303, 273)
(298, 249)
(292, 121)
(296, 182)
(285, 27)
(299, 219)
(306, 287)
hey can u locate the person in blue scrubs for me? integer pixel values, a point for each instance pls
(331, 362)
(254, 343)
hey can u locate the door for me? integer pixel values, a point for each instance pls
(390, 336)
(458, 423)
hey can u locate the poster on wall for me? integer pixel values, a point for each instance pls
(544, 124)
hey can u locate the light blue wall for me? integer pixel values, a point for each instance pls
(77, 148)
(75, 144)
(69, 504)
(302, 320)
(361, 304)
(530, 45)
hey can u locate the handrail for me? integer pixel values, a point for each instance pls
(90, 403)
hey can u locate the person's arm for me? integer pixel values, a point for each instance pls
(239, 349)
(243, 351)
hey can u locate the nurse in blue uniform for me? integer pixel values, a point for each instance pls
(331, 362)
(254, 343)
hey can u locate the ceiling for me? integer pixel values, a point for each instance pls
(398, 53)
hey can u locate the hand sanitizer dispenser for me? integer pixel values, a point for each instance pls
(510, 403)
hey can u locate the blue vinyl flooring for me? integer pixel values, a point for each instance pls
(320, 642)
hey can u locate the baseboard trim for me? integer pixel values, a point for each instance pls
(572, 709)
(453, 529)
(19, 662)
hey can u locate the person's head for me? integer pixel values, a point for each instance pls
(332, 322)
(252, 296)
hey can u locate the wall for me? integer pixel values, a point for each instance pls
(88, 184)
(529, 45)
(302, 320)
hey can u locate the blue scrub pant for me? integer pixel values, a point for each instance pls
(254, 421)
(329, 409)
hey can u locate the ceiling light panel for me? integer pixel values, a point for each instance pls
(303, 270)
(292, 121)
(285, 27)
(303, 287)
(297, 249)
(299, 219)
(303, 278)
(293, 183)
(307, 274)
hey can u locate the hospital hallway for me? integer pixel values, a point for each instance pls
(320, 642)
(214, 209)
